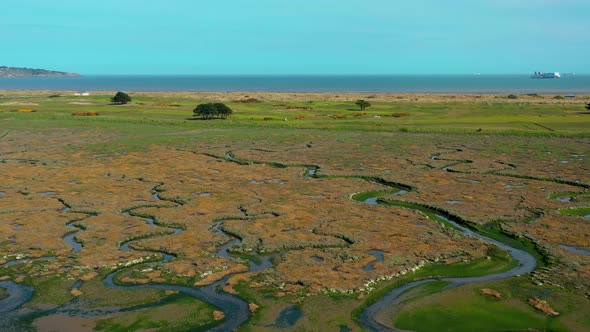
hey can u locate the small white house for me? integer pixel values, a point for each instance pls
(82, 93)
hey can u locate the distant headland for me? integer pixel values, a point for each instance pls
(7, 72)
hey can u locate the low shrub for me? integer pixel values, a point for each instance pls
(167, 104)
(85, 114)
(398, 115)
(247, 101)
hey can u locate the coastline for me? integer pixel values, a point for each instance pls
(443, 84)
(545, 98)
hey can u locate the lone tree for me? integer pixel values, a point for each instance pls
(212, 110)
(363, 104)
(588, 106)
(121, 98)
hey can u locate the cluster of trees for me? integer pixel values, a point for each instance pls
(212, 110)
(588, 106)
(204, 111)
(120, 98)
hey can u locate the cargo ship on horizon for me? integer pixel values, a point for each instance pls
(538, 74)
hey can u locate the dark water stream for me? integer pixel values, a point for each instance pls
(585, 252)
(71, 237)
(288, 317)
(378, 258)
(18, 294)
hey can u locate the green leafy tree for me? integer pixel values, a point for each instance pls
(223, 110)
(205, 111)
(212, 110)
(362, 104)
(588, 106)
(121, 98)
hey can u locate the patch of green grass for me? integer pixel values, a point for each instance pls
(424, 290)
(466, 309)
(361, 197)
(474, 268)
(493, 230)
(264, 297)
(581, 211)
(54, 290)
(320, 312)
(478, 267)
(567, 194)
(184, 314)
(473, 313)
(95, 292)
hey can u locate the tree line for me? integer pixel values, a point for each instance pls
(204, 111)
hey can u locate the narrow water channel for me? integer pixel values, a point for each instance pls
(370, 318)
(235, 309)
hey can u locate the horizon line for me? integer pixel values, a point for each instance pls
(322, 74)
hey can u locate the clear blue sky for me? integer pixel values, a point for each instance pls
(296, 36)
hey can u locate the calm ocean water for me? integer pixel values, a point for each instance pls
(368, 84)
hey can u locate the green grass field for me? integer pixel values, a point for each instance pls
(465, 309)
(582, 212)
(184, 314)
(470, 314)
(159, 114)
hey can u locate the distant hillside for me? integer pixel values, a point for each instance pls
(30, 72)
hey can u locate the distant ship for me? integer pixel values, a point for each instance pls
(538, 74)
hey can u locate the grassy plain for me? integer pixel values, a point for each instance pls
(500, 164)
(183, 314)
(477, 312)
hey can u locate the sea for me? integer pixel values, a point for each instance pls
(519, 84)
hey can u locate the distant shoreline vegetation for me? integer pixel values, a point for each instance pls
(10, 72)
